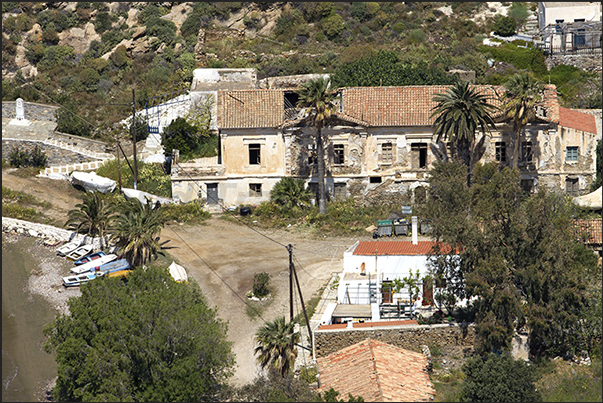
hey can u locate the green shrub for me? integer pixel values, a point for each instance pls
(163, 29)
(38, 158)
(89, 79)
(498, 379)
(69, 121)
(21, 213)
(55, 56)
(18, 158)
(186, 213)
(522, 59)
(504, 26)
(333, 26)
(417, 36)
(261, 284)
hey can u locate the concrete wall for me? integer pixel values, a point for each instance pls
(409, 337)
(207, 79)
(548, 13)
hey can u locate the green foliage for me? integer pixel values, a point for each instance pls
(530, 59)
(22, 206)
(261, 284)
(275, 345)
(386, 69)
(186, 213)
(272, 387)
(55, 56)
(291, 193)
(333, 26)
(119, 57)
(68, 120)
(20, 158)
(504, 25)
(498, 379)
(93, 216)
(163, 29)
(135, 231)
(89, 79)
(146, 339)
(9, 6)
(38, 158)
(151, 176)
(364, 11)
(518, 256)
(519, 12)
(192, 141)
(417, 36)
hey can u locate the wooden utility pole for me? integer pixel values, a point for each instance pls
(301, 298)
(134, 137)
(290, 249)
(118, 166)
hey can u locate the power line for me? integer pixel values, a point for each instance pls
(217, 275)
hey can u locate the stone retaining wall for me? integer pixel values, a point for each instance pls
(406, 336)
(47, 232)
(55, 154)
(32, 111)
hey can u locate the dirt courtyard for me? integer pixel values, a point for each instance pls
(222, 257)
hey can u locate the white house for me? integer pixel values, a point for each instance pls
(551, 13)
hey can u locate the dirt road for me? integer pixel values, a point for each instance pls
(222, 257)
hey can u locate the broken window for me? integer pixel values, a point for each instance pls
(572, 185)
(375, 179)
(254, 154)
(527, 185)
(312, 154)
(501, 151)
(386, 153)
(571, 154)
(290, 102)
(418, 155)
(338, 154)
(255, 190)
(526, 151)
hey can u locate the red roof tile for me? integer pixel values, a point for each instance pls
(250, 108)
(577, 120)
(377, 371)
(400, 106)
(590, 231)
(395, 248)
(359, 325)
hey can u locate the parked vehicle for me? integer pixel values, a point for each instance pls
(68, 247)
(89, 258)
(76, 281)
(80, 252)
(94, 265)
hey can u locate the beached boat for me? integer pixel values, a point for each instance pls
(178, 273)
(143, 197)
(75, 281)
(80, 252)
(68, 247)
(116, 265)
(89, 258)
(120, 273)
(94, 265)
(92, 182)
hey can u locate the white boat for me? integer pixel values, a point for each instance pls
(94, 264)
(144, 196)
(68, 247)
(80, 252)
(75, 281)
(177, 272)
(92, 182)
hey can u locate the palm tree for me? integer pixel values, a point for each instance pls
(135, 231)
(291, 193)
(93, 216)
(521, 96)
(460, 112)
(318, 100)
(276, 341)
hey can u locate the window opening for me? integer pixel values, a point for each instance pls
(254, 154)
(419, 155)
(571, 154)
(255, 189)
(501, 151)
(526, 151)
(338, 153)
(386, 152)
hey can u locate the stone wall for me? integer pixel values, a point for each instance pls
(409, 337)
(56, 155)
(32, 111)
(584, 62)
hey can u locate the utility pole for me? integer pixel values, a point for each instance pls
(118, 165)
(290, 249)
(301, 298)
(134, 137)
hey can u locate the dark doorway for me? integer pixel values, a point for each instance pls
(212, 193)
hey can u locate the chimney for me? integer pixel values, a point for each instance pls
(415, 231)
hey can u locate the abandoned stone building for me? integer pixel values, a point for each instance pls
(378, 145)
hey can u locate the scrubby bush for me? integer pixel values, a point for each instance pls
(261, 284)
(187, 213)
(18, 158)
(504, 25)
(333, 26)
(38, 158)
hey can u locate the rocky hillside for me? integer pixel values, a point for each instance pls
(89, 56)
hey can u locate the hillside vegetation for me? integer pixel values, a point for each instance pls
(88, 56)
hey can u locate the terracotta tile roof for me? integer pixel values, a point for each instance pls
(577, 120)
(377, 371)
(359, 325)
(250, 108)
(381, 248)
(590, 230)
(399, 106)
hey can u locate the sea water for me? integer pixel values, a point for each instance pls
(26, 367)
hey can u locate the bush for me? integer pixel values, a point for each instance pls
(261, 284)
(18, 158)
(38, 158)
(504, 26)
(186, 213)
(417, 36)
(498, 379)
(68, 121)
(333, 26)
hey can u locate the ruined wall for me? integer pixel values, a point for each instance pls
(408, 337)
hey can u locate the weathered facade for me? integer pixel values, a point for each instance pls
(380, 141)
